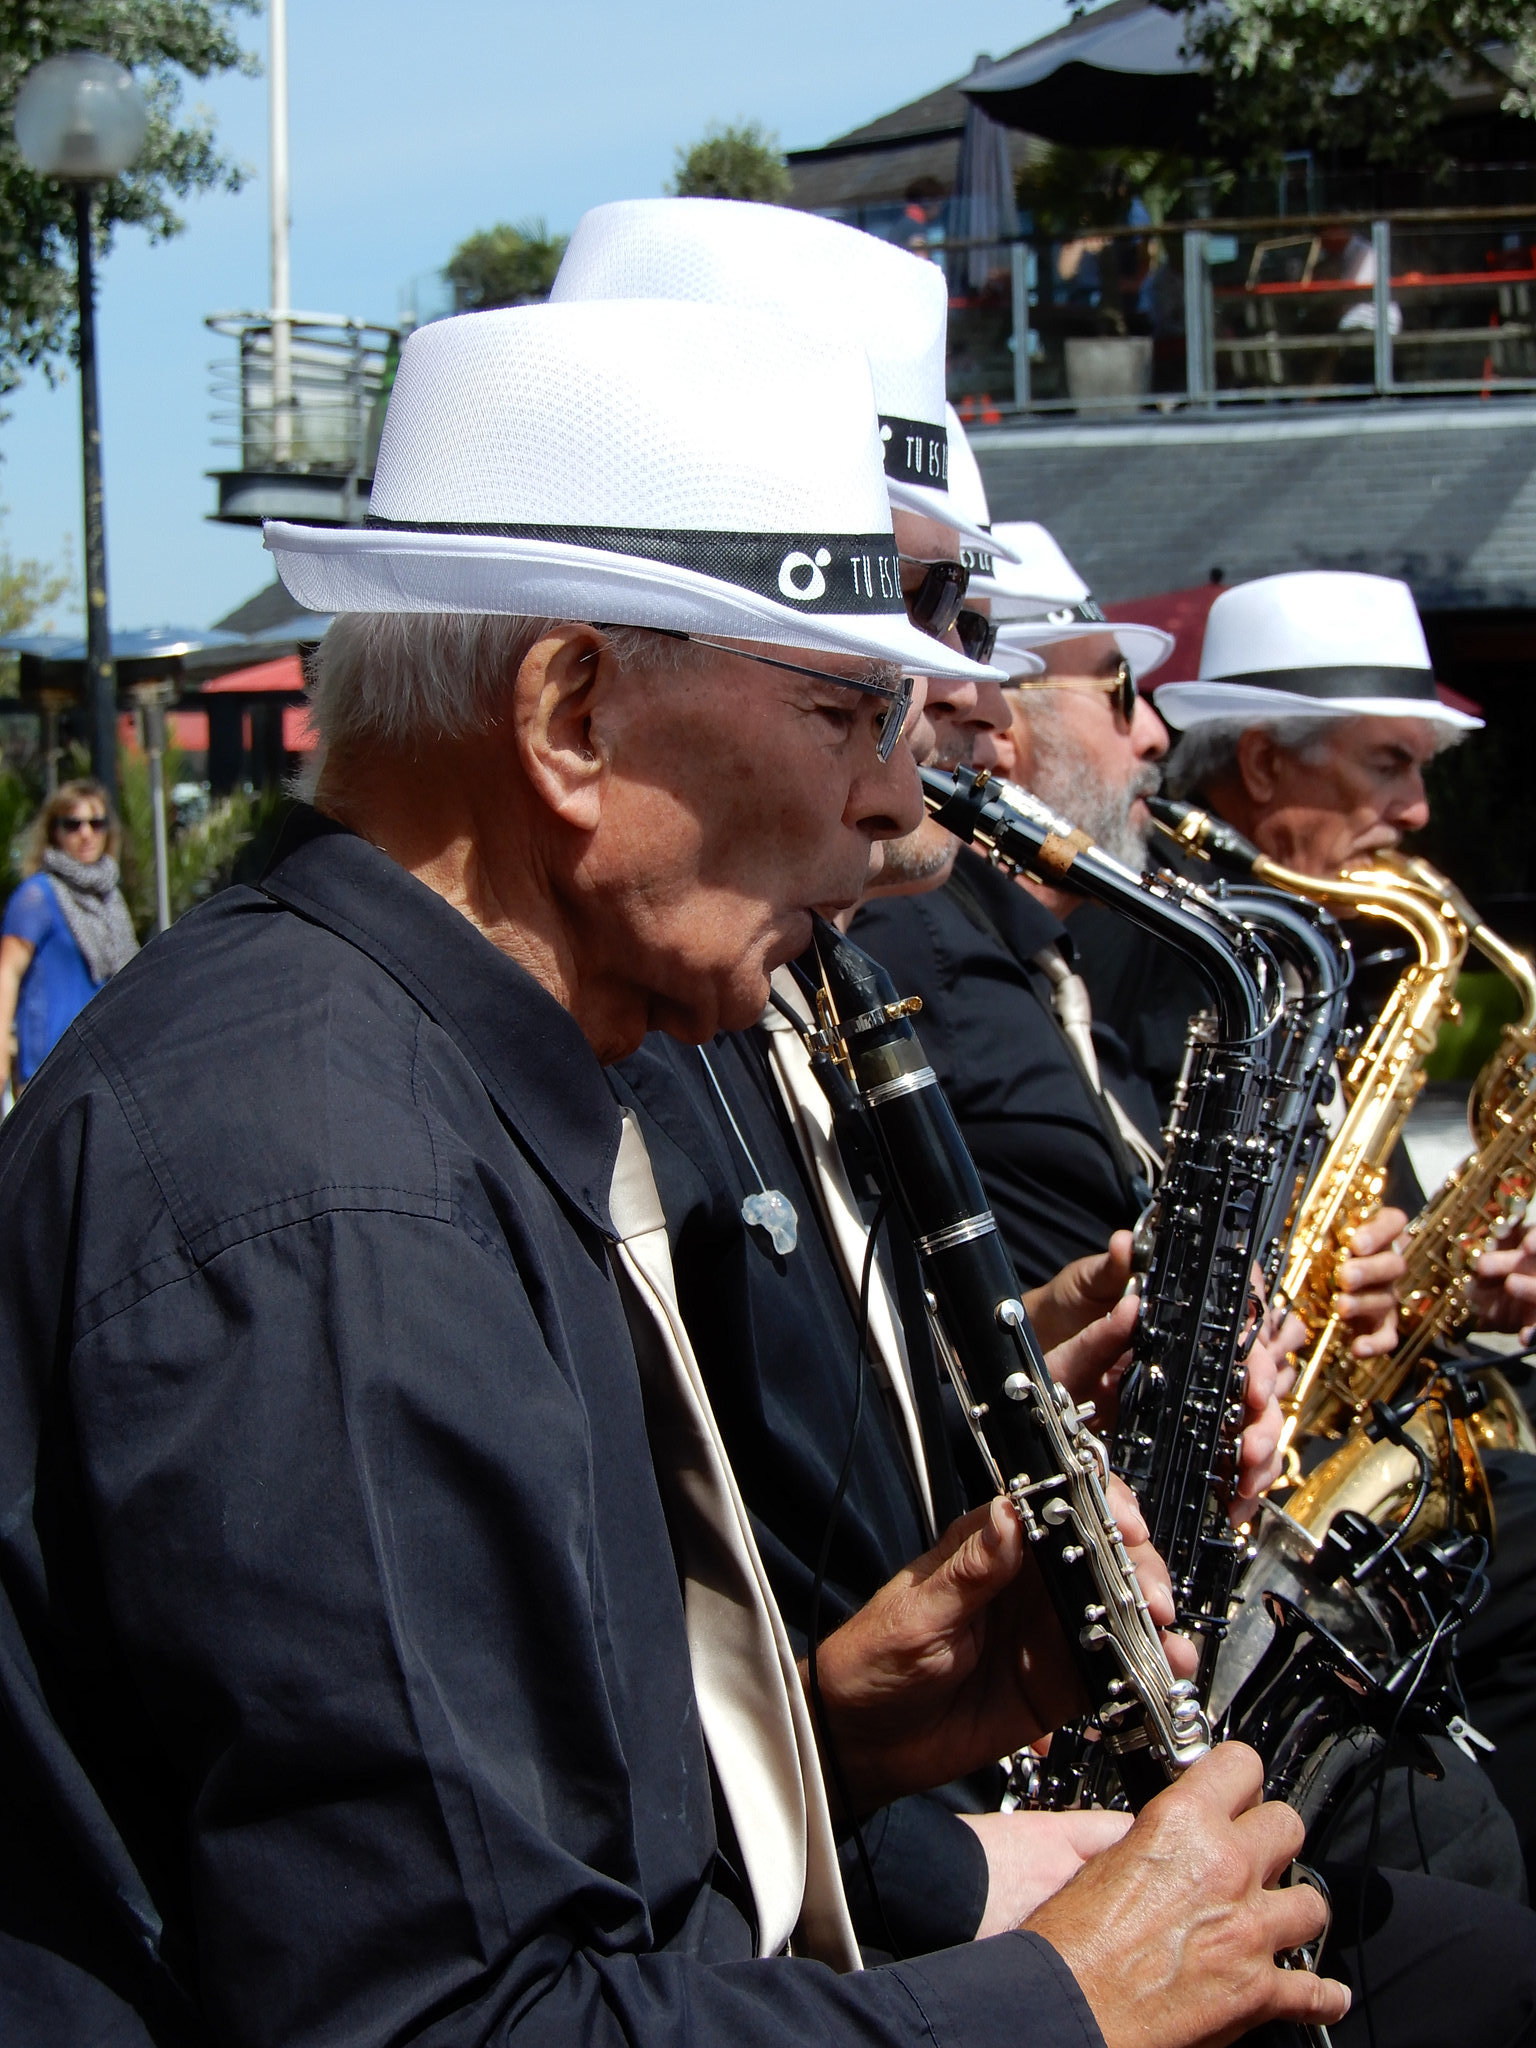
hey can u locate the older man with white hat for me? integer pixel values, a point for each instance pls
(387, 1653)
(1309, 726)
(1313, 716)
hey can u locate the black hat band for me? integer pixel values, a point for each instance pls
(839, 573)
(916, 451)
(1340, 682)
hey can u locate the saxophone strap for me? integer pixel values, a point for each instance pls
(756, 1724)
(810, 1116)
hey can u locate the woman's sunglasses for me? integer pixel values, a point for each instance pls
(1120, 687)
(82, 825)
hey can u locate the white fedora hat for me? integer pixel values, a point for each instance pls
(969, 494)
(1040, 599)
(681, 467)
(1313, 643)
(801, 268)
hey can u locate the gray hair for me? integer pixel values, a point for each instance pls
(1207, 752)
(399, 679)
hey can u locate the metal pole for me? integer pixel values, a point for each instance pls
(1381, 301)
(1195, 351)
(100, 669)
(154, 746)
(282, 306)
(1019, 259)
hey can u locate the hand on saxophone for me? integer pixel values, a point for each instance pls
(1504, 1292)
(1367, 1279)
(1089, 1320)
(1271, 1374)
(960, 1659)
(1173, 1932)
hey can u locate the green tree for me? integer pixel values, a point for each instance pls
(1067, 190)
(505, 266)
(740, 162)
(163, 42)
(201, 857)
(1366, 75)
(27, 590)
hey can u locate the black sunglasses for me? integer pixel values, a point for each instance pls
(934, 604)
(978, 634)
(81, 824)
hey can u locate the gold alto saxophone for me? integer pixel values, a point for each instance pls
(1381, 1083)
(1477, 1202)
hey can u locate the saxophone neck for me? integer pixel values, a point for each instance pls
(1514, 965)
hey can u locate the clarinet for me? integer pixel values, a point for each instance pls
(1035, 1444)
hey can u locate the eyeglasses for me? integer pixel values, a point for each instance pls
(933, 603)
(1121, 686)
(98, 824)
(892, 723)
(978, 634)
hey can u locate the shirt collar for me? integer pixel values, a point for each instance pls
(1021, 919)
(528, 1051)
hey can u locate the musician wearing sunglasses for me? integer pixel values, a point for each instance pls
(67, 929)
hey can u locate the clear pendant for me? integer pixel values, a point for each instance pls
(774, 1213)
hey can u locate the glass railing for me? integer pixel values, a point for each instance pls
(1245, 312)
(306, 397)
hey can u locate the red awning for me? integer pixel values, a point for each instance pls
(286, 673)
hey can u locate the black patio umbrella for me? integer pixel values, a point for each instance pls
(982, 207)
(1117, 78)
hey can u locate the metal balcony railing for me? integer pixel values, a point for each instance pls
(313, 404)
(1202, 314)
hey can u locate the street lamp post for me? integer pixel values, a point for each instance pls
(79, 119)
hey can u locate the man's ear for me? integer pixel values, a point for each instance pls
(1258, 763)
(558, 684)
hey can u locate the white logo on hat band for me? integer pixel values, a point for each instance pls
(833, 573)
(815, 586)
(916, 451)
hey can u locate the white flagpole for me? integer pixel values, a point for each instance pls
(282, 327)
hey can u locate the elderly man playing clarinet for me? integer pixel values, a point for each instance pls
(386, 1653)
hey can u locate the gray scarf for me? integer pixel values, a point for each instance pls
(94, 910)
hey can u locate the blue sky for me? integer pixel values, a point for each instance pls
(411, 127)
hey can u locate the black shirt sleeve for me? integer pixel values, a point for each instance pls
(343, 1644)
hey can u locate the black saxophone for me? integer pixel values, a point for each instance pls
(1181, 1405)
(1307, 1701)
(1035, 1443)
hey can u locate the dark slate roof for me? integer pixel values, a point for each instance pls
(272, 609)
(884, 159)
(1443, 495)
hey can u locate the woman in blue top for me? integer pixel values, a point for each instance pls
(67, 929)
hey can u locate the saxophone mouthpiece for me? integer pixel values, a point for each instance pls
(1197, 832)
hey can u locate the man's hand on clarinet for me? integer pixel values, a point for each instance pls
(1173, 1932)
(960, 1658)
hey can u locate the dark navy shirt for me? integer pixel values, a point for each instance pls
(346, 1696)
(1057, 1173)
(777, 1337)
